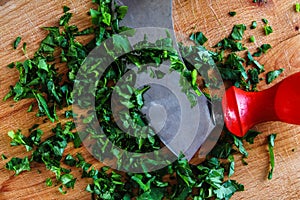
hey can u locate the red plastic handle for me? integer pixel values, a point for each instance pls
(242, 110)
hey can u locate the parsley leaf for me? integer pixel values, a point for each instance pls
(18, 165)
(268, 30)
(272, 75)
(297, 7)
(238, 32)
(232, 13)
(262, 49)
(49, 182)
(3, 157)
(271, 139)
(199, 38)
(17, 42)
(253, 25)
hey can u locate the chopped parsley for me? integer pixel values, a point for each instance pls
(252, 38)
(268, 29)
(39, 80)
(3, 157)
(262, 49)
(198, 38)
(16, 42)
(24, 48)
(271, 143)
(18, 165)
(297, 7)
(232, 13)
(48, 182)
(238, 31)
(253, 25)
(272, 75)
(264, 20)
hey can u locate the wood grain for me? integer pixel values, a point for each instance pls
(24, 18)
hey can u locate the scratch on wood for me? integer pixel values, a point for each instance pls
(215, 14)
(287, 60)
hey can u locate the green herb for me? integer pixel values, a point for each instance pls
(239, 144)
(69, 160)
(272, 75)
(3, 157)
(251, 134)
(253, 25)
(262, 49)
(60, 189)
(49, 182)
(11, 65)
(231, 165)
(264, 20)
(199, 38)
(271, 139)
(268, 30)
(252, 38)
(24, 47)
(68, 180)
(232, 13)
(39, 79)
(17, 42)
(297, 7)
(238, 32)
(30, 108)
(66, 9)
(251, 60)
(18, 165)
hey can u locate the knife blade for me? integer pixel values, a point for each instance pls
(181, 128)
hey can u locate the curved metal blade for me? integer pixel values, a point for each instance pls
(181, 128)
(148, 13)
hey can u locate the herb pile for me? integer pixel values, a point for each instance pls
(39, 79)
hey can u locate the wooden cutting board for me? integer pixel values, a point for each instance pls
(24, 18)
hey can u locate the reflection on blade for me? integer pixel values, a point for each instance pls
(148, 13)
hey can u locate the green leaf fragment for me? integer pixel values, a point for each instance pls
(64, 20)
(252, 38)
(227, 189)
(251, 135)
(69, 160)
(231, 165)
(272, 75)
(253, 25)
(60, 189)
(49, 182)
(66, 9)
(264, 20)
(271, 143)
(43, 106)
(199, 38)
(3, 157)
(122, 11)
(268, 30)
(239, 144)
(16, 42)
(265, 47)
(18, 165)
(30, 108)
(68, 180)
(232, 13)
(238, 31)
(24, 47)
(11, 65)
(297, 7)
(262, 49)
